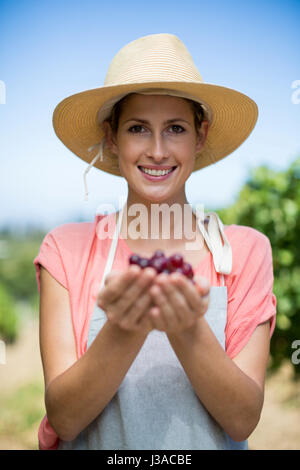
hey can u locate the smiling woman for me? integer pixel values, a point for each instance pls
(133, 358)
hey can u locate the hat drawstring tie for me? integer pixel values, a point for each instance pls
(98, 155)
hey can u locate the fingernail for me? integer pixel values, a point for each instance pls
(135, 269)
(203, 283)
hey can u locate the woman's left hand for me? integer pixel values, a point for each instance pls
(178, 302)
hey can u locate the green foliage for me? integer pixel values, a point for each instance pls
(8, 316)
(16, 269)
(270, 203)
(17, 279)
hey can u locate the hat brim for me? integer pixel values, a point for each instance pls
(234, 116)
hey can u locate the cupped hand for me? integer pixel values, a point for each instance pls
(178, 302)
(126, 299)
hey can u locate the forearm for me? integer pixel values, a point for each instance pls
(78, 395)
(230, 396)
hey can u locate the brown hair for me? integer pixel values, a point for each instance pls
(114, 117)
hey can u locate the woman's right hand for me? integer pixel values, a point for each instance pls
(126, 300)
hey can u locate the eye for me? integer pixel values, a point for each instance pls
(136, 129)
(176, 129)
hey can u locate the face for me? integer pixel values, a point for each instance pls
(156, 132)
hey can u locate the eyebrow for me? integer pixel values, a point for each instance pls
(144, 121)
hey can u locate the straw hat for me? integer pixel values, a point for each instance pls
(153, 64)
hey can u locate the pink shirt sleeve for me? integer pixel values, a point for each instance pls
(50, 257)
(250, 288)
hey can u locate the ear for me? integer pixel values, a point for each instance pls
(110, 137)
(202, 135)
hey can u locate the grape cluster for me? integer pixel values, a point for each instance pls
(164, 264)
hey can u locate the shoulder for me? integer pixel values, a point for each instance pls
(242, 236)
(64, 250)
(69, 241)
(250, 248)
(72, 232)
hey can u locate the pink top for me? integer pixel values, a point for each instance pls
(75, 256)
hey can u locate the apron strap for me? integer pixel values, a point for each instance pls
(113, 247)
(221, 252)
(219, 246)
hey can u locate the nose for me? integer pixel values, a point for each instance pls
(157, 148)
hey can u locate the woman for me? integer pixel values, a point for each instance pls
(134, 359)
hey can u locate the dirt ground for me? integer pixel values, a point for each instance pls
(279, 427)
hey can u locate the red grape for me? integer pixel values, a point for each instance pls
(188, 270)
(164, 264)
(176, 260)
(158, 254)
(134, 259)
(144, 263)
(159, 264)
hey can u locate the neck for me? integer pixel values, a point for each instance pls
(158, 222)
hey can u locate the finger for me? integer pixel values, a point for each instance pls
(197, 296)
(110, 276)
(176, 297)
(145, 321)
(131, 317)
(167, 312)
(157, 319)
(202, 285)
(116, 283)
(126, 303)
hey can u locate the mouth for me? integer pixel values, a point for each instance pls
(157, 175)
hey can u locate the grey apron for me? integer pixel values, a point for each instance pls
(155, 407)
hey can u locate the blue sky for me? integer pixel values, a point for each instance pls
(53, 49)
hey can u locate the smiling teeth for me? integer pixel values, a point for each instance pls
(156, 172)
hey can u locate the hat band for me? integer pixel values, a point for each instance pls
(105, 110)
(98, 155)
